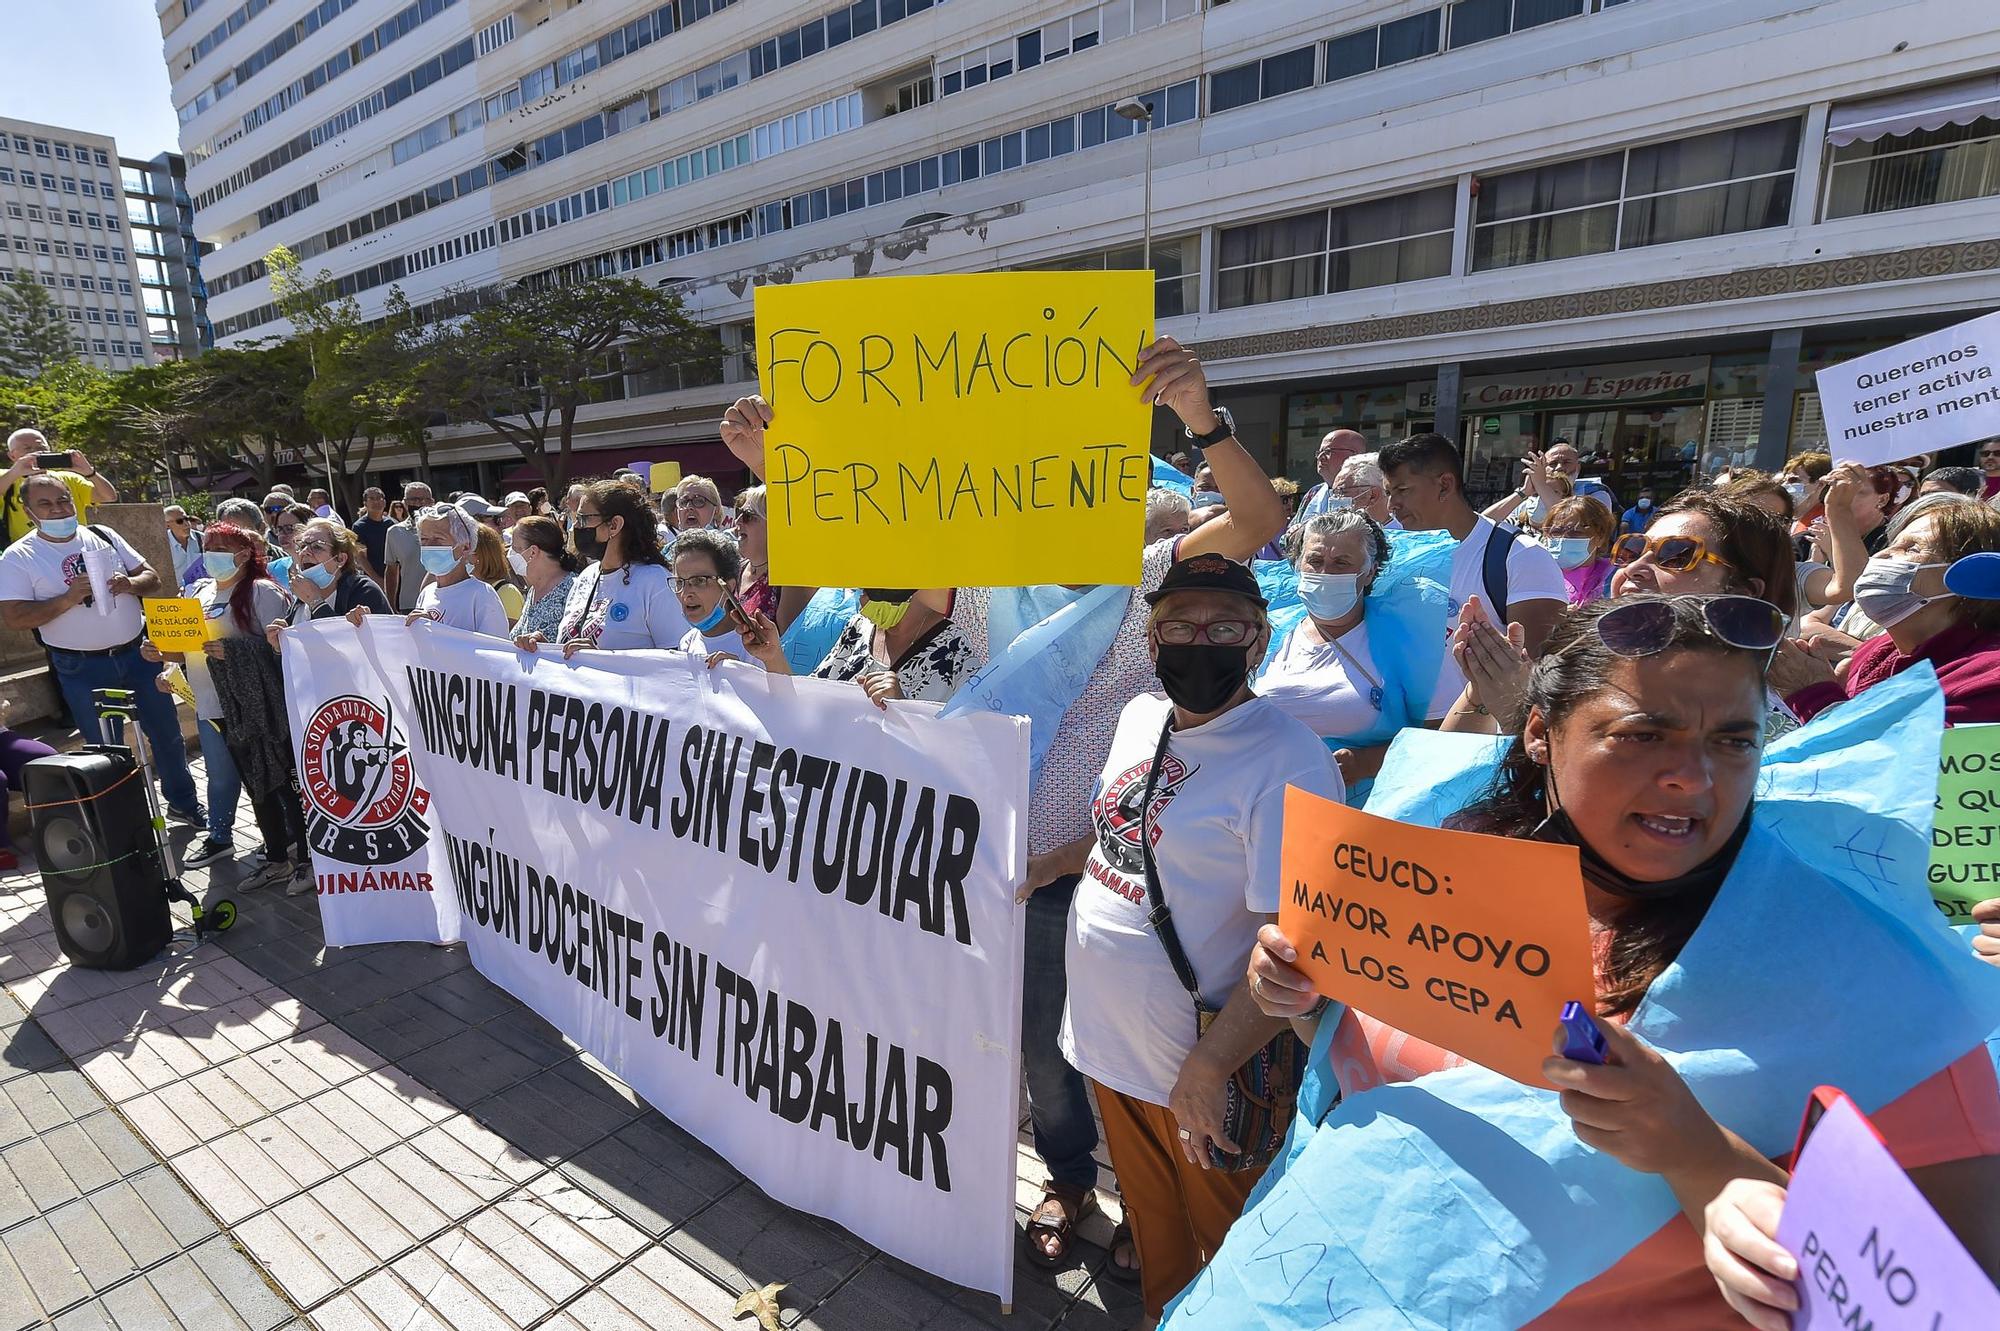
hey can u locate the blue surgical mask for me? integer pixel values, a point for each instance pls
(220, 564)
(1328, 596)
(438, 560)
(319, 575)
(713, 620)
(1570, 551)
(57, 529)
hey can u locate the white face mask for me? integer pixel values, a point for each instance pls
(1328, 596)
(1884, 590)
(1797, 490)
(1570, 551)
(517, 563)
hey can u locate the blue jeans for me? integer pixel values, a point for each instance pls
(78, 674)
(1058, 1100)
(225, 786)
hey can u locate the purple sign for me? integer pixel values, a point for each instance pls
(1871, 1250)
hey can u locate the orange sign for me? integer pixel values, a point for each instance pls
(1472, 943)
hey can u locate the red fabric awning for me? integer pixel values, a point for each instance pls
(710, 458)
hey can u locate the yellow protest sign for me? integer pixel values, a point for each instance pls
(176, 623)
(976, 430)
(1965, 837)
(663, 476)
(1472, 943)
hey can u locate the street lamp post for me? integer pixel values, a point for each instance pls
(1141, 113)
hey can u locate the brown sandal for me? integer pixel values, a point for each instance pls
(1063, 1208)
(1121, 1237)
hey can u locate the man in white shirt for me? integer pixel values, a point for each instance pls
(184, 541)
(1427, 493)
(49, 583)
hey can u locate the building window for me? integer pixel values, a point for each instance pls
(1945, 165)
(1176, 270)
(1709, 185)
(1406, 238)
(1481, 20)
(1273, 76)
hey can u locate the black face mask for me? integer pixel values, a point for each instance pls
(589, 545)
(1704, 877)
(1200, 678)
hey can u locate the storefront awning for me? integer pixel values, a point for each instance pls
(1906, 112)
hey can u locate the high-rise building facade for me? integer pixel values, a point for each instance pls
(63, 223)
(167, 255)
(1636, 224)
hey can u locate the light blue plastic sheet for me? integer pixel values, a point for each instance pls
(1464, 1199)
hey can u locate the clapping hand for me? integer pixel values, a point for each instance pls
(1496, 665)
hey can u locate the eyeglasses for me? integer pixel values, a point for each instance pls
(1216, 633)
(177, 522)
(1675, 554)
(286, 528)
(696, 582)
(588, 521)
(316, 547)
(693, 503)
(1643, 628)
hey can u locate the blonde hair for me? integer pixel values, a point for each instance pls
(489, 557)
(751, 501)
(340, 538)
(700, 485)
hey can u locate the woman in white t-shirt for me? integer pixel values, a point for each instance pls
(1190, 807)
(453, 596)
(237, 598)
(1365, 658)
(625, 599)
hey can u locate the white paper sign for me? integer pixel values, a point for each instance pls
(99, 563)
(1932, 392)
(784, 916)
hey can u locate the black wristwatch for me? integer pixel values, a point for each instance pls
(1225, 428)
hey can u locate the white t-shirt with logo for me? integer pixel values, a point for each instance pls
(36, 569)
(467, 604)
(1327, 685)
(626, 609)
(1218, 821)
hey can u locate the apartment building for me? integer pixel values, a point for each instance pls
(168, 255)
(1636, 224)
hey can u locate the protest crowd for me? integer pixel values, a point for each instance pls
(1622, 660)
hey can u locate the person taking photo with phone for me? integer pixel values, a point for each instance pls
(28, 453)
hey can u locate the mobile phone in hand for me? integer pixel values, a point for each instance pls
(54, 461)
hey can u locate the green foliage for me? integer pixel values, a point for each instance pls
(34, 335)
(523, 364)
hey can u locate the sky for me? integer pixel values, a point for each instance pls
(92, 65)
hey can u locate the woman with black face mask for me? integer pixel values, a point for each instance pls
(1641, 748)
(1187, 815)
(624, 599)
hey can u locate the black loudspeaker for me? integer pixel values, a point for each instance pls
(99, 856)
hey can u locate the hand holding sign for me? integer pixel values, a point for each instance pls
(1473, 943)
(966, 430)
(175, 623)
(1635, 1108)
(1870, 1249)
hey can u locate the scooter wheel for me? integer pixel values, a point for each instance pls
(219, 916)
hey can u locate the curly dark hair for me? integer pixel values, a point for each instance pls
(639, 541)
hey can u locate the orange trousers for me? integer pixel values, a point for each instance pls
(1178, 1211)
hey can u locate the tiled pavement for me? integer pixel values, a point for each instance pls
(262, 1132)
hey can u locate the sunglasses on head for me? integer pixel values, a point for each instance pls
(1644, 628)
(1675, 554)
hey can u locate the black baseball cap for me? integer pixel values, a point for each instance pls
(1209, 573)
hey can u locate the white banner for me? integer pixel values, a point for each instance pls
(784, 916)
(1932, 392)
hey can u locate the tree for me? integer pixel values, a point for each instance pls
(34, 335)
(249, 399)
(523, 364)
(346, 359)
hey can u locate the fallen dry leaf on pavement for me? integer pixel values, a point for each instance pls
(764, 1303)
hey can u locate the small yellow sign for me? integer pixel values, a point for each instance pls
(664, 476)
(176, 623)
(965, 430)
